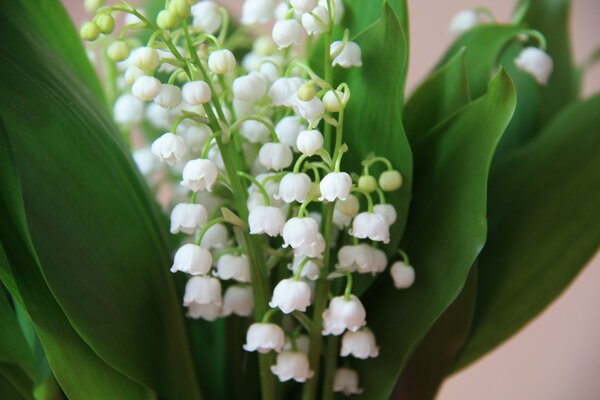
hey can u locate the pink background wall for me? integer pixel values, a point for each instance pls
(557, 356)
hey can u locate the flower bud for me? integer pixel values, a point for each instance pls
(207, 17)
(92, 6)
(105, 23)
(118, 51)
(346, 381)
(146, 58)
(202, 290)
(335, 185)
(300, 230)
(255, 131)
(402, 274)
(192, 259)
(132, 74)
(350, 56)
(169, 96)
(167, 19)
(287, 33)
(464, 21)
(275, 156)
(146, 88)
(311, 110)
(307, 92)
(350, 206)
(303, 5)
(353, 258)
(360, 344)
(343, 314)
(313, 25)
(188, 218)
(128, 109)
(233, 267)
(372, 226)
(180, 8)
(221, 61)
(264, 337)
(367, 183)
(536, 63)
(145, 160)
(199, 174)
(238, 300)
(266, 219)
(388, 211)
(294, 187)
(291, 295)
(338, 9)
(292, 365)
(215, 237)
(196, 92)
(89, 31)
(251, 87)
(309, 142)
(169, 148)
(312, 249)
(390, 180)
(283, 91)
(257, 11)
(330, 101)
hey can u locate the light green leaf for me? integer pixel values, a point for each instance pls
(543, 226)
(445, 232)
(359, 14)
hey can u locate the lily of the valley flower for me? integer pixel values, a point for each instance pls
(311, 270)
(291, 295)
(335, 185)
(202, 290)
(309, 142)
(388, 211)
(169, 148)
(188, 218)
(300, 231)
(266, 219)
(199, 174)
(464, 21)
(536, 63)
(313, 25)
(146, 58)
(283, 91)
(294, 187)
(368, 225)
(292, 365)
(288, 129)
(257, 11)
(146, 88)
(264, 337)
(196, 92)
(221, 61)
(192, 259)
(350, 56)
(250, 88)
(403, 275)
(346, 381)
(206, 16)
(275, 156)
(287, 33)
(343, 314)
(234, 267)
(238, 300)
(169, 96)
(208, 312)
(360, 344)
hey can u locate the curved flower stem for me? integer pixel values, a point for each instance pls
(259, 186)
(206, 227)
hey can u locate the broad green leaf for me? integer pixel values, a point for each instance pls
(6, 276)
(13, 347)
(359, 14)
(440, 95)
(543, 226)
(14, 383)
(445, 232)
(93, 224)
(429, 365)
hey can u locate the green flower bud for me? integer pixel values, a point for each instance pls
(92, 5)
(367, 183)
(307, 92)
(181, 8)
(118, 51)
(89, 31)
(105, 22)
(315, 190)
(167, 19)
(390, 180)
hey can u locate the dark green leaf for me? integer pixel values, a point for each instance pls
(543, 226)
(13, 347)
(445, 232)
(14, 383)
(93, 225)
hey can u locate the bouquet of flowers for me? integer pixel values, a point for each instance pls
(326, 234)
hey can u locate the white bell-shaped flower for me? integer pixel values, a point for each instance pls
(345, 381)
(464, 21)
(341, 220)
(146, 58)
(303, 5)
(288, 129)
(299, 231)
(255, 132)
(255, 199)
(266, 219)
(169, 148)
(388, 211)
(132, 73)
(302, 344)
(355, 258)
(311, 270)
(287, 33)
(128, 110)
(360, 344)
(169, 96)
(221, 61)
(196, 92)
(238, 300)
(202, 290)
(250, 88)
(188, 218)
(275, 156)
(283, 91)
(234, 267)
(192, 259)
(291, 295)
(338, 9)
(145, 161)
(380, 261)
(313, 25)
(294, 187)
(195, 135)
(206, 15)
(215, 237)
(199, 175)
(350, 56)
(335, 185)
(403, 275)
(257, 11)
(146, 88)
(368, 225)
(313, 249)
(292, 365)
(343, 314)
(311, 110)
(309, 142)
(208, 312)
(536, 63)
(264, 337)
(331, 100)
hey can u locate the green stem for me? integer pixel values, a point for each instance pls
(206, 227)
(348, 290)
(259, 185)
(331, 354)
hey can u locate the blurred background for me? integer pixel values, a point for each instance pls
(556, 357)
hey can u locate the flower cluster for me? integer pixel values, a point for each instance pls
(250, 154)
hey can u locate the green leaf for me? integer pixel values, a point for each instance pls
(13, 347)
(544, 226)
(359, 14)
(445, 232)
(14, 383)
(440, 95)
(93, 225)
